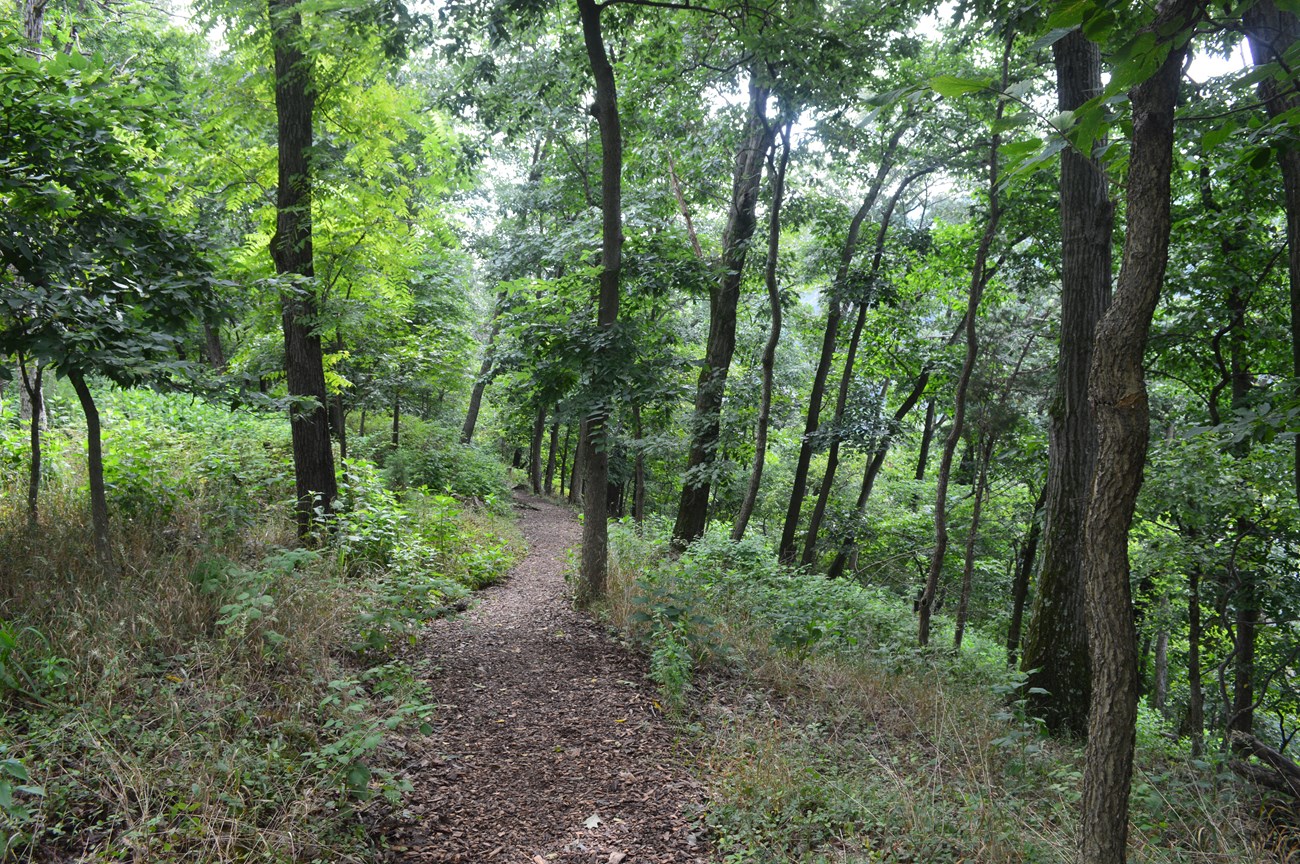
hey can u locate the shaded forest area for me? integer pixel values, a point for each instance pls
(926, 376)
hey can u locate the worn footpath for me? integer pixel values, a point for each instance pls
(548, 745)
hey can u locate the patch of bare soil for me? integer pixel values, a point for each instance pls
(547, 744)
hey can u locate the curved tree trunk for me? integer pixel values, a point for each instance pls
(291, 250)
(724, 298)
(1056, 644)
(94, 469)
(484, 374)
(1118, 397)
(595, 528)
(835, 309)
(1020, 584)
(979, 278)
(768, 361)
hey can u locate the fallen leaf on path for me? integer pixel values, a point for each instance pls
(616, 857)
(593, 821)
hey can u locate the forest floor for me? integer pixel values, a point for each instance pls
(548, 744)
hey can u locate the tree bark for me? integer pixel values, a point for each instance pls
(32, 386)
(535, 450)
(1118, 398)
(799, 487)
(94, 469)
(291, 250)
(484, 374)
(595, 528)
(972, 533)
(1195, 724)
(849, 543)
(1056, 644)
(927, 436)
(979, 278)
(768, 360)
(638, 466)
(33, 15)
(564, 458)
(396, 433)
(724, 298)
(1020, 584)
(550, 455)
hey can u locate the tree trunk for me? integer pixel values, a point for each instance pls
(550, 455)
(849, 543)
(972, 533)
(291, 250)
(1195, 725)
(1160, 678)
(212, 348)
(579, 464)
(979, 278)
(535, 450)
(1020, 585)
(484, 374)
(395, 435)
(33, 14)
(768, 361)
(1271, 32)
(1056, 645)
(1118, 398)
(564, 458)
(799, 487)
(94, 469)
(638, 466)
(341, 421)
(927, 436)
(724, 298)
(32, 386)
(595, 528)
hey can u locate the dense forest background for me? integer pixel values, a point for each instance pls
(886, 344)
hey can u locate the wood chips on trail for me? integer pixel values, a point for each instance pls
(547, 743)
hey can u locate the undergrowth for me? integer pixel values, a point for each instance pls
(827, 736)
(225, 695)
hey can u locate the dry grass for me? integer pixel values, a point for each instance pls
(845, 756)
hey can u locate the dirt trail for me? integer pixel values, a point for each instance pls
(547, 744)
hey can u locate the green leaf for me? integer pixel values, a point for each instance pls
(950, 86)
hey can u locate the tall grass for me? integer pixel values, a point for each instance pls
(827, 737)
(221, 695)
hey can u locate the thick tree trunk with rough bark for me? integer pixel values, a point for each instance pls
(33, 15)
(835, 310)
(94, 469)
(724, 298)
(1056, 644)
(1118, 398)
(291, 250)
(595, 528)
(768, 361)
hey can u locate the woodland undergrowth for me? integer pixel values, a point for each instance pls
(827, 736)
(227, 694)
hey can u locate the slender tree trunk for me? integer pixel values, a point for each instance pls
(724, 298)
(32, 385)
(341, 412)
(849, 543)
(638, 466)
(768, 361)
(833, 453)
(1020, 584)
(1271, 32)
(395, 436)
(550, 455)
(1196, 694)
(1056, 645)
(1118, 398)
(799, 487)
(979, 278)
(212, 348)
(484, 374)
(595, 528)
(535, 450)
(564, 458)
(1160, 678)
(291, 250)
(94, 469)
(579, 464)
(927, 436)
(361, 424)
(972, 533)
